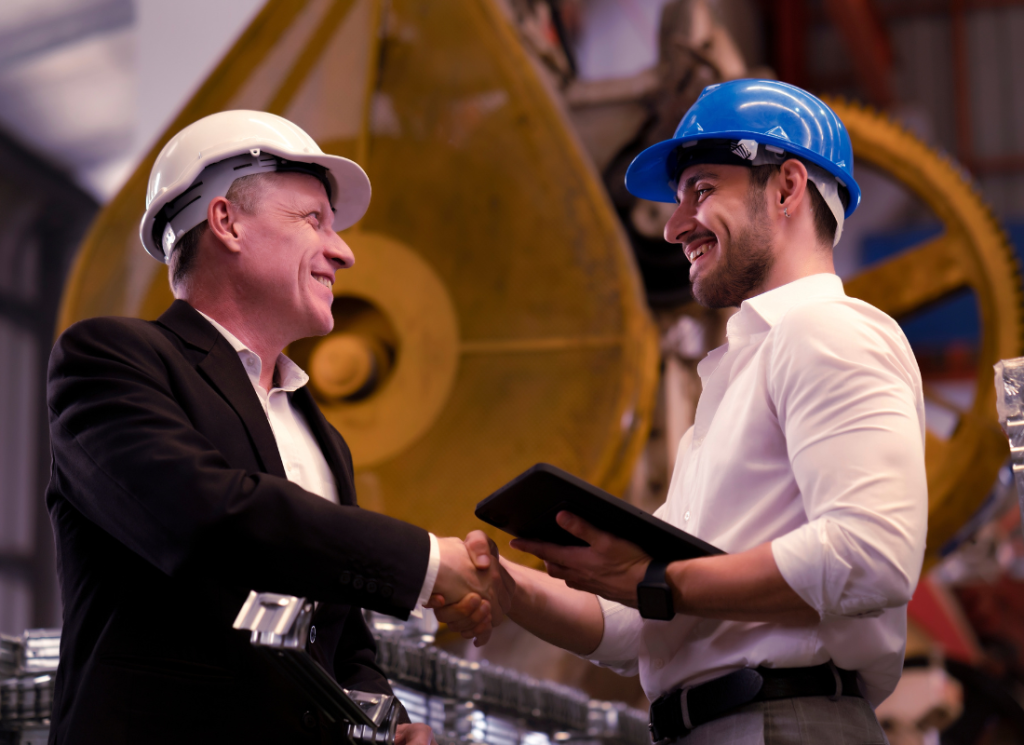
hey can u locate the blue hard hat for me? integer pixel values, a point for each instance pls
(766, 111)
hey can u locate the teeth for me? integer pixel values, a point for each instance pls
(699, 251)
(323, 280)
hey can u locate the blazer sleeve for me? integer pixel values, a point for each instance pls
(129, 459)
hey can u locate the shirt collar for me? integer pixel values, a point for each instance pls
(290, 376)
(762, 312)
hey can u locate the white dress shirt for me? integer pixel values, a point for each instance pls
(304, 462)
(809, 433)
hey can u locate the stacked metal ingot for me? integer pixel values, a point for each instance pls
(27, 667)
(463, 701)
(468, 701)
(10, 655)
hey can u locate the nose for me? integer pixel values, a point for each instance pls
(339, 253)
(682, 221)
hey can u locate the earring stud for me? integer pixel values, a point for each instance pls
(785, 211)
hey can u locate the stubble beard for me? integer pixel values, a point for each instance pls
(746, 260)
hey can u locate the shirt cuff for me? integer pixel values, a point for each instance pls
(620, 643)
(433, 566)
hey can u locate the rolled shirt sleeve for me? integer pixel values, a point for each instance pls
(848, 398)
(619, 649)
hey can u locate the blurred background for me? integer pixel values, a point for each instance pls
(497, 133)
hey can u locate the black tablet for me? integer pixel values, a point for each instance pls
(526, 507)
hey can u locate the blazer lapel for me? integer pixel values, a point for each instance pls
(337, 460)
(224, 370)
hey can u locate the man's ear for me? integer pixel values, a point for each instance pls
(222, 219)
(792, 185)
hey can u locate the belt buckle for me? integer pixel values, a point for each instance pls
(839, 682)
(684, 711)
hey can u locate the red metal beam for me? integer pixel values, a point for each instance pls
(918, 8)
(791, 41)
(867, 42)
(1012, 163)
(961, 91)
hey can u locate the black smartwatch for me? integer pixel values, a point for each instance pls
(654, 596)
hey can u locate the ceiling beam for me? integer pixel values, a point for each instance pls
(41, 37)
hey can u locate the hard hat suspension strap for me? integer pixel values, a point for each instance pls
(752, 153)
(188, 210)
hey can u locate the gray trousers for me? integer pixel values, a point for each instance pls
(794, 721)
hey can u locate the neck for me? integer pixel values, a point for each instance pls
(786, 269)
(797, 254)
(250, 325)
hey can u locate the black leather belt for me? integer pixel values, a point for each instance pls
(679, 711)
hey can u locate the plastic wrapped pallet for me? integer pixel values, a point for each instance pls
(1010, 408)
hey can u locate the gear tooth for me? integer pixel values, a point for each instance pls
(936, 174)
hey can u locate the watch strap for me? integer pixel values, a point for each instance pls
(654, 594)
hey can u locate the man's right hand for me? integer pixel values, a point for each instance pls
(473, 592)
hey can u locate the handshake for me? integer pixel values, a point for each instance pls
(473, 591)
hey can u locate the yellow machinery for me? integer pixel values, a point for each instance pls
(494, 290)
(494, 293)
(972, 252)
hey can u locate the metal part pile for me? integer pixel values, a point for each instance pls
(27, 667)
(476, 702)
(462, 700)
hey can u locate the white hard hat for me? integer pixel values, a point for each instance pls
(226, 146)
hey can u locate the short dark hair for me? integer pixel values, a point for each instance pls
(824, 221)
(183, 257)
(247, 193)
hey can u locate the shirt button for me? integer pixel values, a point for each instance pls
(312, 634)
(357, 582)
(687, 515)
(657, 663)
(345, 578)
(371, 586)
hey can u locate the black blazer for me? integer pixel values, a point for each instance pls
(169, 503)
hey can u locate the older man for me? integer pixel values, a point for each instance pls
(805, 461)
(191, 464)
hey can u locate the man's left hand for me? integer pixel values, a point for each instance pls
(609, 566)
(414, 734)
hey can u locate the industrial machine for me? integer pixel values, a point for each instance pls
(494, 291)
(496, 295)
(464, 701)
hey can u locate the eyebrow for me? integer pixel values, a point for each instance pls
(692, 181)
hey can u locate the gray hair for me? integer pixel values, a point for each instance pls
(245, 192)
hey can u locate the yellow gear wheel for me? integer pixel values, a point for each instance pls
(972, 252)
(494, 317)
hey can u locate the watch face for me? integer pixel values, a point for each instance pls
(655, 603)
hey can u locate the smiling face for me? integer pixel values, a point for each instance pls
(722, 223)
(289, 255)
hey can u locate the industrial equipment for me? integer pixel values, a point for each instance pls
(495, 317)
(463, 701)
